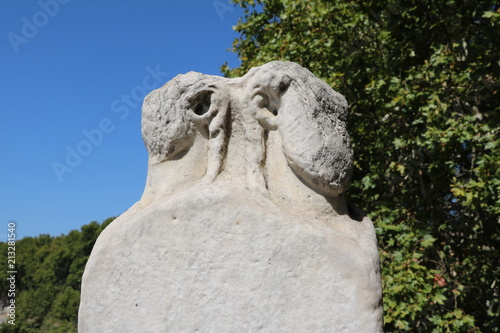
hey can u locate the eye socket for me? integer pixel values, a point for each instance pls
(200, 102)
(203, 104)
(283, 87)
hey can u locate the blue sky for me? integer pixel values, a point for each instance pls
(72, 77)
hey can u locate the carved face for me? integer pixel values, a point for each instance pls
(311, 118)
(282, 96)
(172, 114)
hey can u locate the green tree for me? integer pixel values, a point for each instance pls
(422, 79)
(49, 271)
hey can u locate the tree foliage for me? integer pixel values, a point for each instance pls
(422, 79)
(49, 274)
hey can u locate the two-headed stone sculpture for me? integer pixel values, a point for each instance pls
(243, 225)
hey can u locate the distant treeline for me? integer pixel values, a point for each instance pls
(49, 274)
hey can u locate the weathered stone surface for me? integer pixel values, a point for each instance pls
(242, 226)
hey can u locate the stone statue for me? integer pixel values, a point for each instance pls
(243, 225)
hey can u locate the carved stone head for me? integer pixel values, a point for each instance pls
(311, 118)
(284, 97)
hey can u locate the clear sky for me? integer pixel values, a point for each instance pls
(73, 74)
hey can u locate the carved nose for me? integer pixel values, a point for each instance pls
(210, 114)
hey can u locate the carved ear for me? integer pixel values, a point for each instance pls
(167, 114)
(311, 118)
